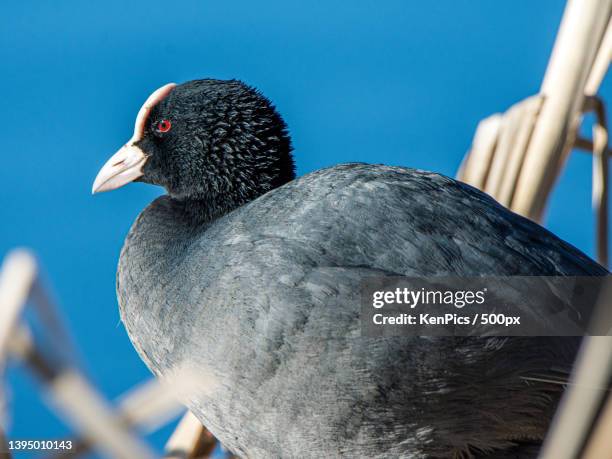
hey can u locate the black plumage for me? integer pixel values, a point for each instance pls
(250, 280)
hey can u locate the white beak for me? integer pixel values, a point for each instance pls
(123, 167)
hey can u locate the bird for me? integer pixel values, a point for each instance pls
(249, 278)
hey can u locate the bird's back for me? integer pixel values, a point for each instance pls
(264, 304)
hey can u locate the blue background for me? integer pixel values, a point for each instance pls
(394, 82)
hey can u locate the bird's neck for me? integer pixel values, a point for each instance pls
(199, 212)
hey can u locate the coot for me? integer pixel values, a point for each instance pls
(250, 280)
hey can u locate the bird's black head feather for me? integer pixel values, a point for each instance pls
(227, 145)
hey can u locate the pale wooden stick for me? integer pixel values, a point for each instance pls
(5, 453)
(18, 274)
(588, 387)
(150, 405)
(509, 129)
(600, 444)
(79, 403)
(475, 167)
(590, 378)
(600, 179)
(496, 157)
(146, 407)
(47, 312)
(601, 64)
(90, 414)
(72, 394)
(580, 34)
(530, 110)
(190, 440)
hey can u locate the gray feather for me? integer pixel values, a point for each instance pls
(263, 303)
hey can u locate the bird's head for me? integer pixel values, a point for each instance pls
(219, 142)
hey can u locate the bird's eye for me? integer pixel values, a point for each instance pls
(163, 126)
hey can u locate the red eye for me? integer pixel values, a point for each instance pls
(164, 126)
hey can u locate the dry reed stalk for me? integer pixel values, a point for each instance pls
(72, 395)
(576, 422)
(476, 165)
(600, 177)
(5, 453)
(530, 109)
(517, 156)
(78, 402)
(580, 34)
(600, 445)
(588, 386)
(505, 142)
(147, 407)
(18, 274)
(190, 440)
(601, 63)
